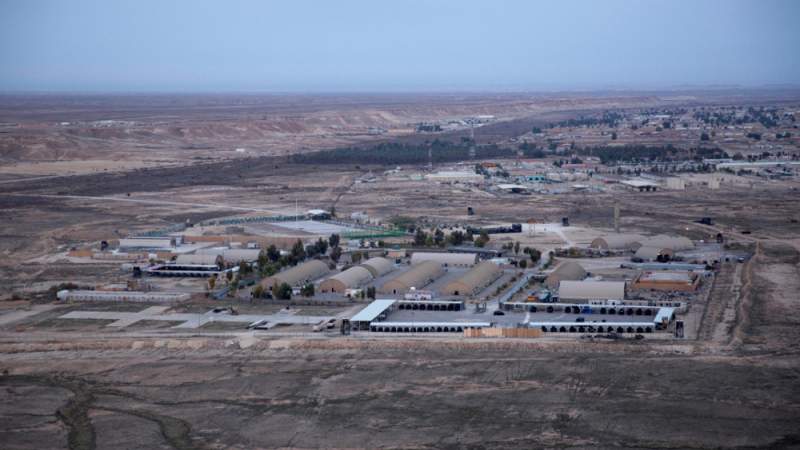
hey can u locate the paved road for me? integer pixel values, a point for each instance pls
(189, 320)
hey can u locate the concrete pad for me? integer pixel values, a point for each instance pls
(16, 316)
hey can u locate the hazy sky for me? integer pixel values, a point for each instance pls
(375, 45)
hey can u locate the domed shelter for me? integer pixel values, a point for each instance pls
(673, 243)
(378, 266)
(617, 242)
(351, 278)
(417, 276)
(567, 270)
(297, 275)
(475, 280)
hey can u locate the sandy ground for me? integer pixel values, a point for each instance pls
(78, 384)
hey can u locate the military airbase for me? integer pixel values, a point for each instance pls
(563, 292)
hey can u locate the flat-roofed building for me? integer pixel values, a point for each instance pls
(419, 275)
(198, 260)
(351, 278)
(146, 243)
(475, 280)
(667, 281)
(591, 290)
(446, 259)
(298, 275)
(567, 270)
(122, 296)
(232, 255)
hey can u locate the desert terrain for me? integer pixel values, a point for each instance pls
(79, 170)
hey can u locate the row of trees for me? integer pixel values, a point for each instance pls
(456, 237)
(649, 153)
(534, 254)
(393, 153)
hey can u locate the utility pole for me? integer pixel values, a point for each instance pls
(471, 141)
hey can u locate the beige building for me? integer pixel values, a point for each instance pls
(298, 275)
(673, 243)
(446, 259)
(417, 276)
(591, 290)
(567, 270)
(351, 278)
(647, 253)
(617, 242)
(475, 280)
(198, 260)
(378, 266)
(667, 281)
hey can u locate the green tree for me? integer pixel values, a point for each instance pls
(355, 257)
(258, 291)
(420, 237)
(263, 259)
(704, 136)
(269, 270)
(614, 136)
(298, 251)
(456, 237)
(516, 248)
(272, 253)
(336, 253)
(322, 246)
(283, 292)
(371, 292)
(212, 282)
(523, 263)
(244, 268)
(333, 241)
(438, 237)
(229, 276)
(482, 239)
(308, 290)
(535, 255)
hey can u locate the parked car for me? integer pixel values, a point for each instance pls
(499, 313)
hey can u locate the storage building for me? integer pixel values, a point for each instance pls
(648, 253)
(617, 242)
(198, 260)
(667, 281)
(378, 266)
(298, 275)
(674, 243)
(232, 255)
(446, 259)
(567, 270)
(591, 290)
(351, 278)
(419, 275)
(475, 280)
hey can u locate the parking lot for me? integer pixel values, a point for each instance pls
(509, 318)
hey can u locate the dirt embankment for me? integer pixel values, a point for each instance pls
(771, 313)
